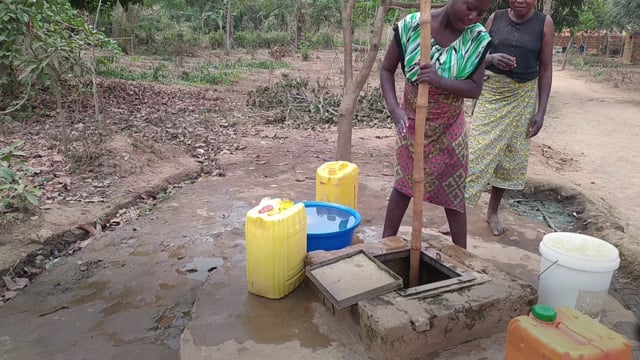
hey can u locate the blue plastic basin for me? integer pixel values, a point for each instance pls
(329, 226)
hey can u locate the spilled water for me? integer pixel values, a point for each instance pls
(200, 267)
(548, 212)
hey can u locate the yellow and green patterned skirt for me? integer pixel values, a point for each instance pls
(498, 149)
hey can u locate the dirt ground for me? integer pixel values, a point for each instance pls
(585, 158)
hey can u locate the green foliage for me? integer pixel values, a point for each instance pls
(323, 39)
(226, 73)
(199, 74)
(92, 5)
(594, 16)
(17, 194)
(323, 13)
(565, 13)
(305, 51)
(107, 67)
(205, 75)
(176, 41)
(42, 41)
(260, 40)
(626, 14)
(216, 40)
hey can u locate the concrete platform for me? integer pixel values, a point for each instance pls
(393, 326)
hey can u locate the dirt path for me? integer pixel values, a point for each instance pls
(595, 129)
(589, 145)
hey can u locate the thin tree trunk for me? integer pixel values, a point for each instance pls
(96, 99)
(547, 6)
(566, 53)
(353, 85)
(229, 28)
(345, 123)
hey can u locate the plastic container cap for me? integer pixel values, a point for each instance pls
(544, 313)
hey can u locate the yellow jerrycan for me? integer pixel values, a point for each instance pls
(276, 240)
(337, 182)
(562, 334)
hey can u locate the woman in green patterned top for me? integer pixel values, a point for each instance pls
(458, 47)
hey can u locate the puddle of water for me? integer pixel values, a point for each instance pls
(200, 268)
(117, 307)
(95, 291)
(543, 212)
(367, 234)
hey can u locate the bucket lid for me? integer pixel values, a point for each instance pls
(544, 313)
(580, 252)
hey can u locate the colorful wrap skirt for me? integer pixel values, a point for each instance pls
(498, 148)
(445, 149)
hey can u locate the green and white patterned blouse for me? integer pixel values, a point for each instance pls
(458, 61)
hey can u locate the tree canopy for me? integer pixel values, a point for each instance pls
(626, 14)
(92, 5)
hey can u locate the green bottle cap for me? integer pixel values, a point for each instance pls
(544, 313)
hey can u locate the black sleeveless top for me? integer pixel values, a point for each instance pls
(522, 40)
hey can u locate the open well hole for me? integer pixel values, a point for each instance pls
(431, 270)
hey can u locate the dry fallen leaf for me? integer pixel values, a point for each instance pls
(16, 283)
(10, 295)
(167, 320)
(88, 228)
(82, 244)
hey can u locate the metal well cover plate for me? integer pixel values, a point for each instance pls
(353, 277)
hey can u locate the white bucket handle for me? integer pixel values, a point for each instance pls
(547, 268)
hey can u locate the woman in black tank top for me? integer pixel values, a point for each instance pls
(512, 105)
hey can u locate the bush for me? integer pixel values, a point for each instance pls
(16, 193)
(305, 51)
(216, 40)
(176, 41)
(204, 75)
(257, 40)
(322, 40)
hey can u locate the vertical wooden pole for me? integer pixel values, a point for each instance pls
(418, 151)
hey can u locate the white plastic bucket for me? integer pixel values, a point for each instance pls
(576, 271)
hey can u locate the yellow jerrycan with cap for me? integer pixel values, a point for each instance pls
(337, 182)
(276, 241)
(563, 334)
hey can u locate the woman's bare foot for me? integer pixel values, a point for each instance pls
(495, 224)
(444, 229)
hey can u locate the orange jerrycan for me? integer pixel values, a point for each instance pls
(337, 182)
(276, 239)
(565, 334)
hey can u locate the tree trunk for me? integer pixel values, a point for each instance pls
(8, 91)
(566, 53)
(547, 7)
(227, 46)
(345, 125)
(353, 85)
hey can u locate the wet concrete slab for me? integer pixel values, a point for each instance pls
(130, 292)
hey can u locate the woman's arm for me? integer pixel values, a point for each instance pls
(544, 78)
(469, 88)
(388, 87)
